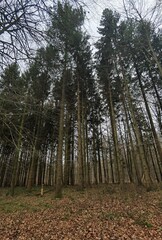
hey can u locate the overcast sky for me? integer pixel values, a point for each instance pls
(94, 9)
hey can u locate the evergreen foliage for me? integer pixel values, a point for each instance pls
(72, 118)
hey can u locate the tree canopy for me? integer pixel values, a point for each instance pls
(75, 117)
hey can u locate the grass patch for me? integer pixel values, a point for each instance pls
(109, 190)
(10, 206)
(23, 201)
(160, 204)
(140, 220)
(110, 216)
(143, 223)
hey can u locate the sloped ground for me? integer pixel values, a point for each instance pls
(102, 212)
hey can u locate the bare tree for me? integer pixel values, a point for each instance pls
(21, 26)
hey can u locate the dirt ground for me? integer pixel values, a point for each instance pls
(102, 212)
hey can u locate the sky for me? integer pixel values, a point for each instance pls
(94, 9)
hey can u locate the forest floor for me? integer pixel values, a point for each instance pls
(102, 212)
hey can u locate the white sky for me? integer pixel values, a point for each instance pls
(94, 9)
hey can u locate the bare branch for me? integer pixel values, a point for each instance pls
(22, 24)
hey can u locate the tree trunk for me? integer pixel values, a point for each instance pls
(159, 149)
(117, 163)
(80, 156)
(58, 192)
(67, 150)
(146, 179)
(17, 154)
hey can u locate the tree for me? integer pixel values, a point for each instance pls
(39, 83)
(105, 66)
(21, 25)
(12, 87)
(65, 23)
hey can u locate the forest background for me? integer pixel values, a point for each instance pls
(79, 115)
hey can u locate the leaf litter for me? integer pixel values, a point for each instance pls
(92, 214)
